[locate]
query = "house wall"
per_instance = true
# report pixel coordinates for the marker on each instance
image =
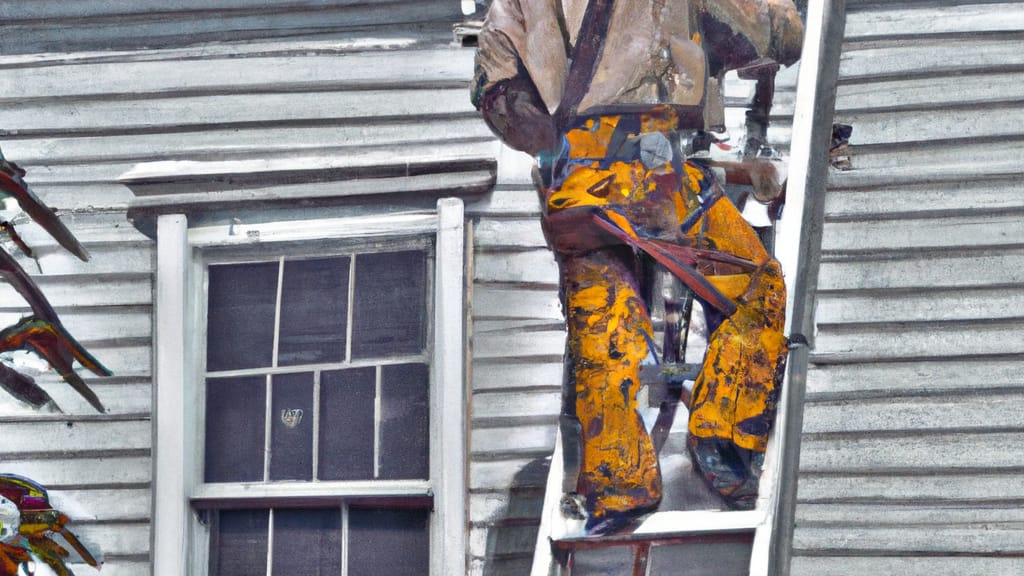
(911, 451)
(912, 441)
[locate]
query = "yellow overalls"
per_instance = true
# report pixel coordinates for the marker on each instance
(603, 208)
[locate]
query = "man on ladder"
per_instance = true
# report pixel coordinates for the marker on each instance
(611, 97)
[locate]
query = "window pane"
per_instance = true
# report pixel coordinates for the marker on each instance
(346, 424)
(240, 321)
(239, 544)
(405, 422)
(392, 542)
(703, 559)
(235, 415)
(390, 304)
(307, 542)
(291, 430)
(314, 308)
(604, 561)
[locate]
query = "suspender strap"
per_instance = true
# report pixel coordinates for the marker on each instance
(589, 43)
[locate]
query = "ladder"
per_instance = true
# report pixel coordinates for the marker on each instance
(690, 515)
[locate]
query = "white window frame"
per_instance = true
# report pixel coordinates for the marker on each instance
(179, 538)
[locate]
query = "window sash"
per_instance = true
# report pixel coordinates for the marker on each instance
(348, 536)
(280, 256)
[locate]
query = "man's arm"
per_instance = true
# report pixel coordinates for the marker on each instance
(738, 32)
(503, 90)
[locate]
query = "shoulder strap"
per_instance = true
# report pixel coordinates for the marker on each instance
(589, 43)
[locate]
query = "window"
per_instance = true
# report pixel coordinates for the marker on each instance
(315, 438)
(317, 370)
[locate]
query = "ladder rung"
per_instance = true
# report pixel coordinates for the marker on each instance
(674, 527)
(667, 382)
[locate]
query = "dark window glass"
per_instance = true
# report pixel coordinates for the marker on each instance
(307, 542)
(405, 422)
(390, 315)
(346, 424)
(703, 558)
(235, 415)
(603, 561)
(291, 430)
(240, 322)
(314, 307)
(392, 542)
(239, 546)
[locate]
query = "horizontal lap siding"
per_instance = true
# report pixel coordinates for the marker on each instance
(56, 26)
(97, 466)
(518, 338)
(96, 87)
(910, 459)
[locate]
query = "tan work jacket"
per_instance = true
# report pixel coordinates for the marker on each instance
(653, 53)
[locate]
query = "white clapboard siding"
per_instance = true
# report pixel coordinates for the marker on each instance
(110, 323)
(518, 340)
(53, 25)
(105, 504)
(510, 375)
(913, 565)
(500, 475)
(948, 488)
(532, 267)
(198, 111)
(950, 162)
(504, 200)
(993, 195)
(925, 57)
(932, 376)
(515, 440)
(907, 514)
(95, 435)
(922, 234)
(926, 540)
(902, 95)
(89, 470)
(67, 291)
(893, 341)
(923, 414)
(270, 74)
(908, 21)
(948, 269)
(921, 305)
(517, 404)
(119, 398)
(899, 127)
(910, 456)
(882, 453)
(120, 539)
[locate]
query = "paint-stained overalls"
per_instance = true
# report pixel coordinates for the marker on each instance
(618, 190)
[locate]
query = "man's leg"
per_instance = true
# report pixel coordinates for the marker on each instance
(734, 397)
(607, 323)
